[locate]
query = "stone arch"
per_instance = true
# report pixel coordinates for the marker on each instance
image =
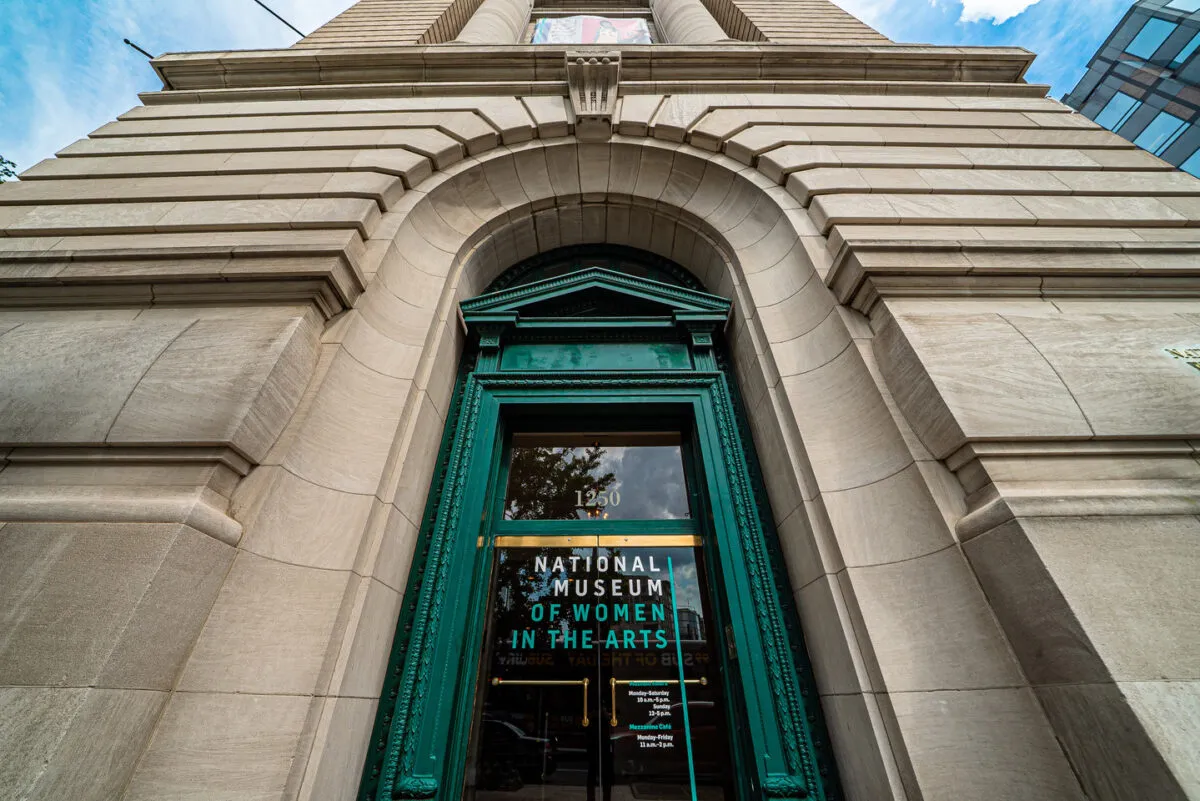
(849, 490)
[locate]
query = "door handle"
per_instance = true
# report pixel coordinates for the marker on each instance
(613, 682)
(496, 682)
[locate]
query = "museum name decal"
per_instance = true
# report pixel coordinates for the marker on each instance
(626, 593)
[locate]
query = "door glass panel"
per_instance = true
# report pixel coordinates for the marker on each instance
(610, 476)
(601, 678)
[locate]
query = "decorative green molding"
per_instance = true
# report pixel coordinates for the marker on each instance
(433, 679)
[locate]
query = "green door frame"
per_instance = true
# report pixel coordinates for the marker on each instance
(429, 713)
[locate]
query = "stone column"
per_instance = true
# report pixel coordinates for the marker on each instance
(686, 22)
(496, 22)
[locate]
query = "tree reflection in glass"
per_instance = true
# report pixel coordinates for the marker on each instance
(596, 477)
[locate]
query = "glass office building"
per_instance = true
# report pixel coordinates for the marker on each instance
(1142, 82)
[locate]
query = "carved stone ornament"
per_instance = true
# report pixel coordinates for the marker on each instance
(592, 79)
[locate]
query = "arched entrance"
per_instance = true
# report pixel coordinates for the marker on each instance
(595, 607)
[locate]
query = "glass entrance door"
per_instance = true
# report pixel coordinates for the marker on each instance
(600, 673)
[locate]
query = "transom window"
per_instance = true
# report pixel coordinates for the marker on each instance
(608, 476)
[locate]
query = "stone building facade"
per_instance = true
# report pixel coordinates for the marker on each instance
(964, 325)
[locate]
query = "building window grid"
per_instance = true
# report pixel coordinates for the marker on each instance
(1151, 37)
(1117, 70)
(1117, 111)
(1191, 164)
(1161, 133)
(1187, 50)
(1187, 6)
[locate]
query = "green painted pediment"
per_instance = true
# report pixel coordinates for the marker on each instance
(595, 293)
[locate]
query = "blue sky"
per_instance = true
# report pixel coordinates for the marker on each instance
(66, 71)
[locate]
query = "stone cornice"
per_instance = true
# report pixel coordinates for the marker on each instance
(559, 89)
(863, 272)
(1046, 488)
(180, 496)
(328, 278)
(441, 64)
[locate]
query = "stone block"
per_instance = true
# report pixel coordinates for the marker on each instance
(345, 439)
(342, 738)
(635, 113)
(270, 631)
(381, 353)
(1104, 211)
(811, 350)
(80, 744)
(67, 381)
(889, 520)
(222, 747)
(86, 598)
(830, 638)
(847, 430)
(416, 467)
(785, 318)
(973, 375)
(1120, 753)
(292, 520)
(394, 554)
(809, 548)
(550, 115)
(929, 626)
(1045, 633)
(366, 646)
(986, 745)
(860, 742)
(1089, 599)
(1118, 371)
(222, 381)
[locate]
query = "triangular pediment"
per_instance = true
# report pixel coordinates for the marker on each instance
(595, 292)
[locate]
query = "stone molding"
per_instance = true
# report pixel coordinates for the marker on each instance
(330, 279)
(865, 273)
(994, 499)
(190, 487)
(439, 64)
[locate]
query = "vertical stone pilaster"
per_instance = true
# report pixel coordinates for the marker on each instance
(497, 22)
(686, 22)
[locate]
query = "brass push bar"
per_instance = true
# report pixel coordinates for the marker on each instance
(496, 682)
(612, 683)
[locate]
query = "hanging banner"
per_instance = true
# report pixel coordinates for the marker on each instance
(590, 30)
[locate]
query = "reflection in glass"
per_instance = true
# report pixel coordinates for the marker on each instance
(580, 696)
(596, 477)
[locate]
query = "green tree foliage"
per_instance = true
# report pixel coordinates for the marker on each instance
(8, 170)
(544, 483)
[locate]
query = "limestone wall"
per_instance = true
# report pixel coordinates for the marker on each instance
(233, 327)
(792, 21)
(387, 23)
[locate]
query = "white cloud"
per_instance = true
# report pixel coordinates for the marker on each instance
(998, 11)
